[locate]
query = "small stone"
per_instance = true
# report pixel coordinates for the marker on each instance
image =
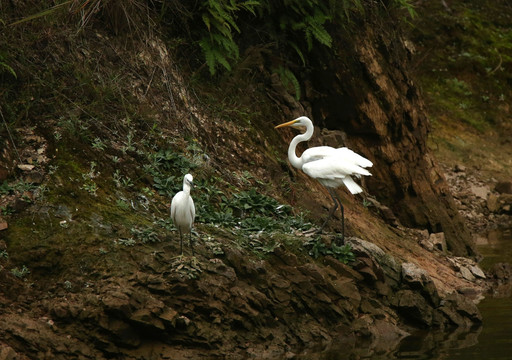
(480, 191)
(26, 167)
(466, 274)
(492, 203)
(459, 168)
(438, 241)
(475, 270)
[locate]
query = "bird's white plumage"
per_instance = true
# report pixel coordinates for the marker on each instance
(343, 154)
(330, 166)
(183, 211)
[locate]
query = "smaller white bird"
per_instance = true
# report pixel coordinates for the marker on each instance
(183, 211)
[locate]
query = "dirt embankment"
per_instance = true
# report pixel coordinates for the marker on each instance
(89, 266)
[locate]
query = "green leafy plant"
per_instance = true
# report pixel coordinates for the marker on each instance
(318, 248)
(6, 210)
(127, 242)
(4, 67)
(99, 144)
(145, 234)
(289, 80)
(219, 16)
(20, 273)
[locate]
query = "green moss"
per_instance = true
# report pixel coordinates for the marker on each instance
(463, 61)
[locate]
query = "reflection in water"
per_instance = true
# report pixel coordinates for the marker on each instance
(495, 340)
(490, 341)
(496, 247)
(426, 345)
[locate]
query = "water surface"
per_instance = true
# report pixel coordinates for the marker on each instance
(490, 341)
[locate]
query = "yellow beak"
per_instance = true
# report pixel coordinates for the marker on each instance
(286, 124)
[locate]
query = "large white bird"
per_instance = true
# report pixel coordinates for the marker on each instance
(331, 167)
(183, 211)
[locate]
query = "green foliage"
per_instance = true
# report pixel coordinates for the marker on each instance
(406, 5)
(343, 253)
(167, 168)
(127, 242)
(4, 67)
(289, 80)
(249, 211)
(145, 234)
(16, 187)
(20, 273)
(220, 16)
(459, 87)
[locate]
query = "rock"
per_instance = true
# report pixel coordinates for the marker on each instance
(480, 191)
(504, 187)
(3, 224)
(123, 333)
(145, 318)
(26, 167)
(387, 214)
(435, 241)
(504, 203)
(492, 203)
(412, 306)
(466, 273)
(418, 279)
(390, 267)
(475, 270)
(459, 168)
(466, 310)
(8, 353)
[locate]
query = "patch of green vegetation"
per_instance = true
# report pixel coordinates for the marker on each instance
(145, 234)
(318, 248)
(20, 273)
(463, 66)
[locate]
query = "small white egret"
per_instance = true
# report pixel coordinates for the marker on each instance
(183, 211)
(331, 167)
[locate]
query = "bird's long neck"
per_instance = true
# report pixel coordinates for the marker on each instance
(294, 159)
(186, 188)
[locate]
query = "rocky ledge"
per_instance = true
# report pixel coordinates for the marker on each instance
(231, 304)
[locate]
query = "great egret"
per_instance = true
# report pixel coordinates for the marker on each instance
(331, 167)
(183, 211)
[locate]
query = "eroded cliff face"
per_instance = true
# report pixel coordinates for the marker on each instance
(369, 94)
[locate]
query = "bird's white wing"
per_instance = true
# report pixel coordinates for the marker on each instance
(342, 154)
(174, 205)
(317, 153)
(332, 173)
(192, 209)
(346, 155)
(333, 168)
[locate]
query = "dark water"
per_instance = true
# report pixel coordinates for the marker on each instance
(490, 341)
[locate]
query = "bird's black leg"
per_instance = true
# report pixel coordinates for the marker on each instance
(181, 243)
(331, 211)
(342, 217)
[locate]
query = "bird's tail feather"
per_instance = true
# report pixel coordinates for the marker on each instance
(352, 185)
